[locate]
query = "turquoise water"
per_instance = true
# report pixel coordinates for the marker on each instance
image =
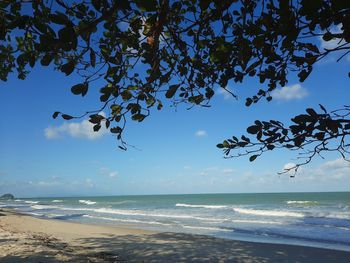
(312, 219)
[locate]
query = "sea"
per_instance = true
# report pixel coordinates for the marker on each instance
(308, 219)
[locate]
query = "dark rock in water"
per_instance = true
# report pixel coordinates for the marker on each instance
(7, 197)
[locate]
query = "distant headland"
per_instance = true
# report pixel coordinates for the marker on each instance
(7, 197)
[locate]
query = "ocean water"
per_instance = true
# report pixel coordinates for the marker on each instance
(311, 219)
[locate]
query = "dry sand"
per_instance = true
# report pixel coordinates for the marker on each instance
(27, 239)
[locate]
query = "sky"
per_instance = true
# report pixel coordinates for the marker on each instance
(175, 149)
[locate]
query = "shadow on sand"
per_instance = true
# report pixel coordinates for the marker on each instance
(173, 247)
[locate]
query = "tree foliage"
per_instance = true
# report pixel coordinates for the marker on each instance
(312, 132)
(149, 51)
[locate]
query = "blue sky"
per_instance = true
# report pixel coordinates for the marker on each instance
(176, 150)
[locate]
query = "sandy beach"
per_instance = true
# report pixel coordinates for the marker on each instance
(27, 239)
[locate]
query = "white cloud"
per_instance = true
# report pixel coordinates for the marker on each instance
(201, 133)
(203, 173)
(208, 171)
(337, 164)
(107, 172)
(228, 171)
(328, 171)
(225, 93)
(333, 43)
(214, 170)
(113, 174)
(83, 130)
(290, 169)
(288, 166)
(294, 92)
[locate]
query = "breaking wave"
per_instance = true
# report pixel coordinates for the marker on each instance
(41, 207)
(141, 213)
(267, 212)
(127, 220)
(257, 222)
(87, 202)
(202, 206)
(57, 201)
(31, 202)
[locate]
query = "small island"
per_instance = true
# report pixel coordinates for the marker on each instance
(7, 197)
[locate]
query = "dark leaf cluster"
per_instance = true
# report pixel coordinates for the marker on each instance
(310, 133)
(140, 53)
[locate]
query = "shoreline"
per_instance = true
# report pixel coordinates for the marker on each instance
(141, 229)
(25, 238)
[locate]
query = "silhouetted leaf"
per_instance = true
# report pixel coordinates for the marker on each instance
(96, 4)
(116, 130)
(327, 36)
(252, 158)
(68, 68)
(126, 95)
(67, 117)
(220, 145)
(149, 5)
(311, 112)
(248, 102)
(204, 4)
(59, 18)
(320, 135)
(171, 91)
(80, 89)
(209, 93)
(138, 117)
(97, 127)
(46, 60)
(323, 108)
(96, 118)
(55, 114)
(253, 129)
(92, 58)
(270, 146)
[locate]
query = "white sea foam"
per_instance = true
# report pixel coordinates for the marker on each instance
(55, 215)
(127, 220)
(267, 212)
(202, 206)
(57, 201)
(31, 202)
(141, 213)
(301, 202)
(41, 207)
(87, 202)
(257, 222)
(18, 200)
(34, 214)
(208, 228)
(342, 228)
(343, 215)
